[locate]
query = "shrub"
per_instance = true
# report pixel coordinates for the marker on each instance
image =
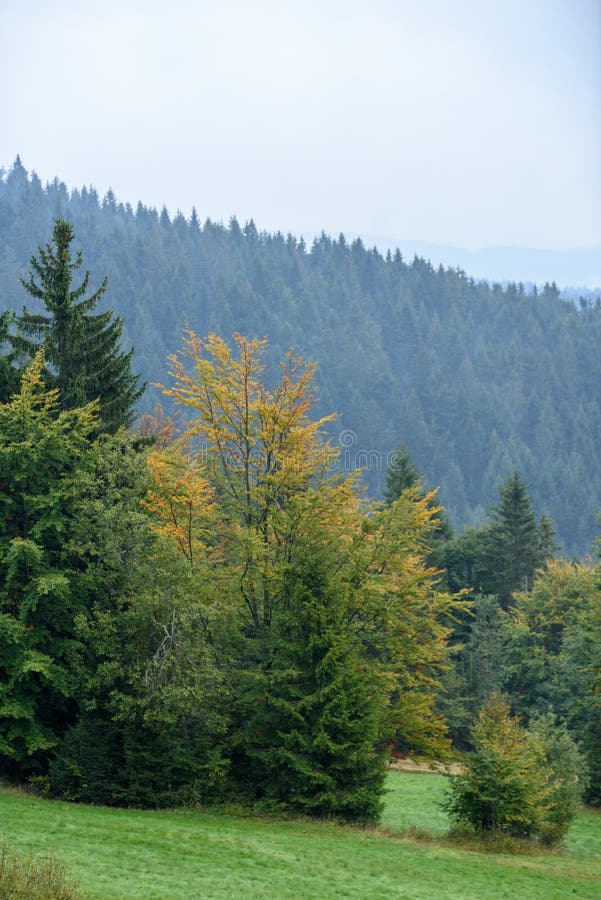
(527, 784)
(31, 878)
(566, 777)
(134, 764)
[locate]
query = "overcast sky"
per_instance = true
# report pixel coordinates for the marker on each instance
(466, 122)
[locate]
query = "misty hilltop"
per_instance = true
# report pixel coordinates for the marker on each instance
(571, 269)
(475, 379)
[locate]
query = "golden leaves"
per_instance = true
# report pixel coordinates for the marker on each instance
(181, 500)
(253, 477)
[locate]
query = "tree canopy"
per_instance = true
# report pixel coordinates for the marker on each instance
(213, 609)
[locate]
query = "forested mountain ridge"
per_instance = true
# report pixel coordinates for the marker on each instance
(476, 381)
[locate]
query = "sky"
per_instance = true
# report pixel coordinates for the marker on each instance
(472, 123)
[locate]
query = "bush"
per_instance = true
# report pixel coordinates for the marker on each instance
(527, 784)
(566, 777)
(28, 878)
(135, 765)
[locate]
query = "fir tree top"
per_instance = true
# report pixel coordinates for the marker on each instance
(81, 347)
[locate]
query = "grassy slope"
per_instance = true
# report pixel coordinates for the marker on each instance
(122, 854)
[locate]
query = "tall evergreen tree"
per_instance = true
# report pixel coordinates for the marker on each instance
(517, 544)
(400, 475)
(81, 348)
(310, 732)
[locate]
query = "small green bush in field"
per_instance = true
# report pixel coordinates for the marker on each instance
(523, 783)
(566, 776)
(31, 878)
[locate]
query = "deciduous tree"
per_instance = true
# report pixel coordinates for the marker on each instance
(339, 636)
(41, 450)
(526, 783)
(554, 655)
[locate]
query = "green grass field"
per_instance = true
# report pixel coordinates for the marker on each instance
(189, 854)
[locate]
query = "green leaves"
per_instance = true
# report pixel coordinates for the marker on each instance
(41, 449)
(26, 673)
(554, 655)
(523, 783)
(337, 636)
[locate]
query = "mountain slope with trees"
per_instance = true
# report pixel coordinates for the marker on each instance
(208, 608)
(477, 381)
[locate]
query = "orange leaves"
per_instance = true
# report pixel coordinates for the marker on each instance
(158, 426)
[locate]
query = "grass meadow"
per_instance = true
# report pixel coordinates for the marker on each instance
(197, 854)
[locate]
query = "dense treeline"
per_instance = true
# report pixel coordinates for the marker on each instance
(187, 619)
(476, 380)
(212, 610)
(209, 613)
(529, 644)
(533, 632)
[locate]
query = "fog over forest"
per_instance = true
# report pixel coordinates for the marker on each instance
(475, 379)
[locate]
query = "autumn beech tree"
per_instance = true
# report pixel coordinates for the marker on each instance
(335, 638)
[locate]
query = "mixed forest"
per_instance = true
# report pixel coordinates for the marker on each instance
(201, 603)
(475, 380)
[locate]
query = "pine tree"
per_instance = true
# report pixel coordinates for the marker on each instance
(81, 348)
(400, 475)
(517, 544)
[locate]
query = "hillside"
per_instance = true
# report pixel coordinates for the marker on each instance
(504, 264)
(475, 380)
(195, 853)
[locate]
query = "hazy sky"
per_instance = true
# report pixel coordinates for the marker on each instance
(466, 122)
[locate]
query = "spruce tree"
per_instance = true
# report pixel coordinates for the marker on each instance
(81, 347)
(311, 718)
(400, 475)
(517, 544)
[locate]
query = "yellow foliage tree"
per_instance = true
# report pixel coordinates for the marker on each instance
(183, 502)
(259, 450)
(251, 490)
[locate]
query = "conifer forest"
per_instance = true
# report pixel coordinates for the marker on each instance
(271, 512)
